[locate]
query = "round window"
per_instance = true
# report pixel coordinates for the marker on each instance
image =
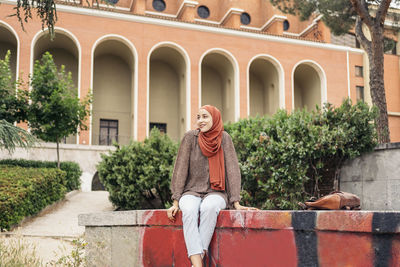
(159, 5)
(286, 25)
(203, 12)
(245, 18)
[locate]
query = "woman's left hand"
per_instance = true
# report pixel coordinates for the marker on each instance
(240, 207)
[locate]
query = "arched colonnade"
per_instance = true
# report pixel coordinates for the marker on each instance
(114, 83)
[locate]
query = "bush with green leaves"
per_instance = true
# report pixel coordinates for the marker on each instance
(286, 158)
(137, 175)
(73, 171)
(13, 99)
(26, 191)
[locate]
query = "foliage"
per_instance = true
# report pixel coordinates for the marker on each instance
(285, 158)
(55, 111)
(338, 15)
(13, 101)
(17, 252)
(12, 136)
(75, 258)
(26, 191)
(138, 175)
(72, 169)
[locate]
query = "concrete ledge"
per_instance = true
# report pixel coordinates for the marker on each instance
(247, 238)
(341, 221)
(387, 146)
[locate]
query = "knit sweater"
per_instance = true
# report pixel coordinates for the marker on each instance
(191, 170)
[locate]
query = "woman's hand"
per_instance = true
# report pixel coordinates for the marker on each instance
(171, 212)
(240, 207)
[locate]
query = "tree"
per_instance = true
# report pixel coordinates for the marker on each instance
(13, 101)
(55, 111)
(340, 16)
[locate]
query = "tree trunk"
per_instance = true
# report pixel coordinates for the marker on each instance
(376, 82)
(58, 154)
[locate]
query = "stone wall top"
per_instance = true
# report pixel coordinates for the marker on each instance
(388, 146)
(343, 221)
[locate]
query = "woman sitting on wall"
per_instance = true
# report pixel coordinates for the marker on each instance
(206, 179)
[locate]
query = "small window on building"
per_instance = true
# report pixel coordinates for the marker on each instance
(159, 5)
(360, 93)
(160, 126)
(359, 71)
(203, 12)
(286, 25)
(112, 1)
(389, 46)
(245, 18)
(108, 132)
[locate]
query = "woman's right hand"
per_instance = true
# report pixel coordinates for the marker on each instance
(171, 212)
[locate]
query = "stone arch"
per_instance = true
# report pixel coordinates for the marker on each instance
(169, 89)
(219, 82)
(114, 63)
(9, 40)
(265, 85)
(308, 85)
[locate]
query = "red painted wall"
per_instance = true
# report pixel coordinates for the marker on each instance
(279, 238)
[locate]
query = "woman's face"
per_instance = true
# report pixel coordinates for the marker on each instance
(204, 120)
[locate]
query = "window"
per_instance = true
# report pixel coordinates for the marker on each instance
(160, 126)
(245, 18)
(159, 5)
(286, 25)
(203, 12)
(389, 46)
(359, 71)
(360, 93)
(108, 132)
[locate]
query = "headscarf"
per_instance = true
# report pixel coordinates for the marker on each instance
(210, 145)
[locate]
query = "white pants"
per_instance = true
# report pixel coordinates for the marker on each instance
(198, 237)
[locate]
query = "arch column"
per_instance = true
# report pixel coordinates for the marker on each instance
(143, 73)
(85, 137)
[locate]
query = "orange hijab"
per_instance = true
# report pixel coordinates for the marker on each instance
(210, 145)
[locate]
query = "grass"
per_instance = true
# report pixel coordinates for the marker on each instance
(18, 252)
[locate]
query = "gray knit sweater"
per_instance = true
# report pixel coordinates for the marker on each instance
(191, 171)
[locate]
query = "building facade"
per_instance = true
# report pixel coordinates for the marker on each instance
(153, 63)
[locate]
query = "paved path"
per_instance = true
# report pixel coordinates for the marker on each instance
(53, 231)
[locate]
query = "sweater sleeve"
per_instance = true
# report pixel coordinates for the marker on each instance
(232, 170)
(181, 168)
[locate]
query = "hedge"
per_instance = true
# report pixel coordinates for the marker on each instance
(26, 191)
(72, 169)
(137, 175)
(288, 158)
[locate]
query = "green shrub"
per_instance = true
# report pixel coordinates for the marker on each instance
(286, 158)
(137, 176)
(26, 191)
(72, 169)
